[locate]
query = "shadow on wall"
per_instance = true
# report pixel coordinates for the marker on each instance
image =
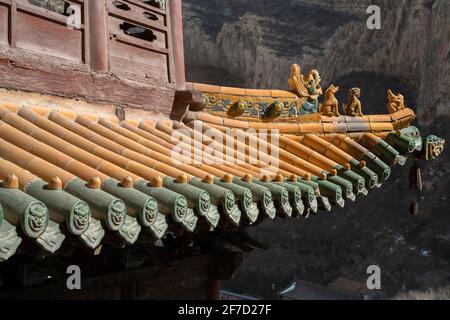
(374, 90)
(213, 75)
(276, 21)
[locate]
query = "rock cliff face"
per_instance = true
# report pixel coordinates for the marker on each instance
(257, 41)
(252, 44)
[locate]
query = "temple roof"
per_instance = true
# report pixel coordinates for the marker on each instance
(377, 124)
(85, 178)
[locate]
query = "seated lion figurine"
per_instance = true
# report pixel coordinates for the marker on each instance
(396, 102)
(330, 108)
(354, 108)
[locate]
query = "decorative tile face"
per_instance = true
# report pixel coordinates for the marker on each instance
(266, 105)
(256, 108)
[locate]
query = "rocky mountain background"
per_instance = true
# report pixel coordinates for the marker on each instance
(252, 44)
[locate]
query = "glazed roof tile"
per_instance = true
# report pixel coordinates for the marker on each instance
(97, 178)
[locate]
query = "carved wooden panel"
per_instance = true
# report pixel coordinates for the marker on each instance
(138, 63)
(139, 10)
(44, 31)
(138, 34)
(139, 48)
(47, 37)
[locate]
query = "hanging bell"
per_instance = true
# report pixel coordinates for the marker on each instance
(415, 178)
(414, 208)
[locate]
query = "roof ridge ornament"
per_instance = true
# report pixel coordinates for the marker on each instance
(307, 88)
(94, 183)
(127, 182)
(208, 179)
(157, 182)
(182, 179)
(55, 184)
(330, 108)
(228, 178)
(396, 102)
(354, 107)
(11, 182)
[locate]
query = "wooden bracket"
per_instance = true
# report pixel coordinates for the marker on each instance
(184, 101)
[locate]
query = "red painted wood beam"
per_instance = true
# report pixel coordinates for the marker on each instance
(98, 35)
(176, 26)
